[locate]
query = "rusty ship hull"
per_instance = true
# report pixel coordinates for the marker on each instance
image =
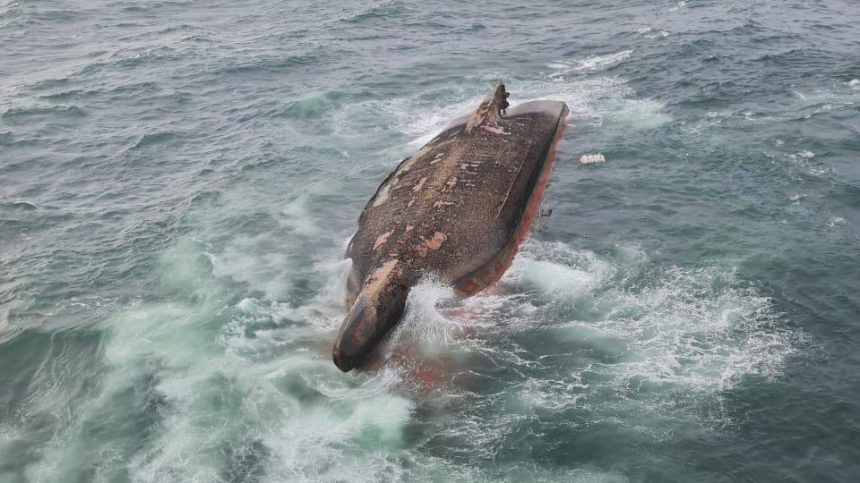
(459, 208)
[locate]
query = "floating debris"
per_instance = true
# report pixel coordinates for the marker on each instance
(592, 159)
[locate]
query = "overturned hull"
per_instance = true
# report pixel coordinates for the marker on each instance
(459, 207)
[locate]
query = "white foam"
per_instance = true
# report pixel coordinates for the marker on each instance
(690, 333)
(678, 6)
(600, 62)
(297, 217)
(807, 161)
(835, 221)
(679, 331)
(607, 102)
(595, 100)
(219, 384)
(650, 33)
(554, 278)
(426, 122)
(649, 337)
(244, 374)
(426, 326)
(245, 260)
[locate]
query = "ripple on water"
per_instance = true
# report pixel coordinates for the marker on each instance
(20, 115)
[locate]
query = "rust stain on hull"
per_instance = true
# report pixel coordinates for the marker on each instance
(459, 207)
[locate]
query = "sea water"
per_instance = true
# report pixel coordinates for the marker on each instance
(178, 180)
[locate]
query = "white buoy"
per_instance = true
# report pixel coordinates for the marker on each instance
(592, 159)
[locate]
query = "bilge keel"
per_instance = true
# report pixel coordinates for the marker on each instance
(459, 207)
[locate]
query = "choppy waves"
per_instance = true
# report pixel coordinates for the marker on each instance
(182, 176)
(593, 339)
(610, 342)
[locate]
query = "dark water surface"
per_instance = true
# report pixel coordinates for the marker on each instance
(178, 181)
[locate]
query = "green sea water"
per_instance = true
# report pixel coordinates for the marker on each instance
(179, 179)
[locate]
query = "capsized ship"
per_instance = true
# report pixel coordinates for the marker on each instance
(459, 207)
